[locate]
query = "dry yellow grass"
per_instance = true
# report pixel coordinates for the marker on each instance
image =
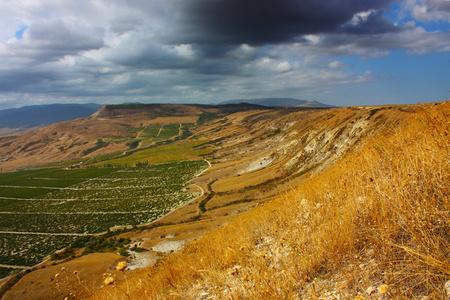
(74, 279)
(374, 226)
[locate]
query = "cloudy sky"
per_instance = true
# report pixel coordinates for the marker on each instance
(339, 52)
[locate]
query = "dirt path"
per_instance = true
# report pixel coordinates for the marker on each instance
(201, 189)
(45, 233)
(80, 189)
(159, 132)
(140, 132)
(82, 212)
(14, 267)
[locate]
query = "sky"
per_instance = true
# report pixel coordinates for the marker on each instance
(338, 52)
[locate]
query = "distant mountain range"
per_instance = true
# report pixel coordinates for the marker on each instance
(280, 102)
(43, 115)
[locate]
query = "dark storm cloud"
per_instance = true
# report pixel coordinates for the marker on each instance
(260, 22)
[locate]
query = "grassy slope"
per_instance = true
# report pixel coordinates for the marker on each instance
(378, 217)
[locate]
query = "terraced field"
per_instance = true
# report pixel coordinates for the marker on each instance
(45, 210)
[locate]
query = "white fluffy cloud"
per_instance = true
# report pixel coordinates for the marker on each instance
(428, 10)
(267, 65)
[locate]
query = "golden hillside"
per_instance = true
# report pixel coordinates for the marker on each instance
(373, 226)
(296, 204)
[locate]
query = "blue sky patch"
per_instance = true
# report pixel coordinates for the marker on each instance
(20, 31)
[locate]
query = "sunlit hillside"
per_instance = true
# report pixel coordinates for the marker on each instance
(332, 203)
(375, 225)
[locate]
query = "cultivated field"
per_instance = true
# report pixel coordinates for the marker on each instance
(45, 210)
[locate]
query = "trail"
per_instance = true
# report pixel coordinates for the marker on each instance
(82, 213)
(201, 189)
(81, 198)
(45, 233)
(159, 132)
(34, 187)
(14, 267)
(140, 132)
(139, 135)
(83, 188)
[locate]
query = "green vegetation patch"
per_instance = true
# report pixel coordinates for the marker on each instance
(98, 145)
(278, 131)
(91, 244)
(161, 154)
(133, 129)
(51, 177)
(206, 116)
(151, 131)
(133, 144)
(22, 192)
(5, 272)
(170, 130)
(36, 221)
(70, 223)
(160, 133)
(29, 249)
(105, 156)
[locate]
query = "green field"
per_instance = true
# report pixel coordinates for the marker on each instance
(45, 210)
(160, 133)
(160, 154)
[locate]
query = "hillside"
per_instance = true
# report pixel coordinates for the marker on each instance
(313, 201)
(373, 226)
(43, 115)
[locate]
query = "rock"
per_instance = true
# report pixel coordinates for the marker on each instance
(447, 288)
(370, 290)
(235, 270)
